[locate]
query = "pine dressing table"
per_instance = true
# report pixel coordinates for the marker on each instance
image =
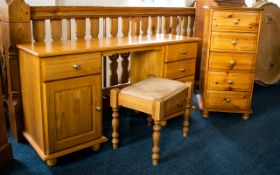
(61, 85)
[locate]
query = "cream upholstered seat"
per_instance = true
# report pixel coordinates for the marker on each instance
(161, 98)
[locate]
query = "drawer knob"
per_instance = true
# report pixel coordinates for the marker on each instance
(234, 42)
(184, 52)
(76, 66)
(180, 104)
(236, 21)
(231, 64)
(227, 100)
(182, 70)
(98, 108)
(230, 82)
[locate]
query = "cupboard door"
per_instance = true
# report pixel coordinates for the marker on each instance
(72, 112)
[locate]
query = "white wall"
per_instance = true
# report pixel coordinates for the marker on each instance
(156, 3)
(41, 2)
(251, 3)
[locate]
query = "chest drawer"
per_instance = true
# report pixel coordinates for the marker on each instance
(236, 21)
(231, 61)
(181, 51)
(227, 41)
(228, 99)
(179, 69)
(230, 81)
(61, 67)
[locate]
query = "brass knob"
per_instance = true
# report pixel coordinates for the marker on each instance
(227, 100)
(182, 70)
(234, 42)
(231, 63)
(98, 108)
(236, 21)
(76, 66)
(229, 82)
(184, 52)
(180, 104)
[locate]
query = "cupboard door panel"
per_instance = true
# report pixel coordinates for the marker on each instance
(71, 111)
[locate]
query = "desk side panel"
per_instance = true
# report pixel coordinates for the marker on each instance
(31, 99)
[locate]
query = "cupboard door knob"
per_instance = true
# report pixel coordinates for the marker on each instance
(182, 70)
(231, 63)
(76, 66)
(227, 100)
(234, 42)
(229, 82)
(98, 108)
(184, 52)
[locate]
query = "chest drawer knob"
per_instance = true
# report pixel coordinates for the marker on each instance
(184, 52)
(227, 100)
(230, 82)
(76, 66)
(231, 63)
(234, 42)
(236, 21)
(182, 70)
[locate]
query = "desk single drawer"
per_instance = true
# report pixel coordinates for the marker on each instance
(181, 51)
(186, 79)
(227, 41)
(61, 67)
(236, 21)
(179, 69)
(231, 61)
(230, 81)
(228, 99)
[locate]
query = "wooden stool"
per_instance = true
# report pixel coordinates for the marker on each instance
(161, 98)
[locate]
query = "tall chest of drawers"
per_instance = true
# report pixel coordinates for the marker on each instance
(228, 62)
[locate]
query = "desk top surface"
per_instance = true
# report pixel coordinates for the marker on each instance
(46, 49)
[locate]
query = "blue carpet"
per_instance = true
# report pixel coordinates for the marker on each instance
(221, 144)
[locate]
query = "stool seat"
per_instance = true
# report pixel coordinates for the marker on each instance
(154, 88)
(160, 98)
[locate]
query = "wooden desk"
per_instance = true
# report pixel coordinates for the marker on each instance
(61, 85)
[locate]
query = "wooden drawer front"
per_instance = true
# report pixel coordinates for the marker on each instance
(186, 79)
(175, 104)
(179, 69)
(228, 99)
(236, 21)
(226, 41)
(230, 81)
(231, 61)
(60, 67)
(181, 51)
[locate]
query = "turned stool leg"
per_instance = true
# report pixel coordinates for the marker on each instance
(149, 120)
(114, 96)
(186, 122)
(156, 138)
(115, 125)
